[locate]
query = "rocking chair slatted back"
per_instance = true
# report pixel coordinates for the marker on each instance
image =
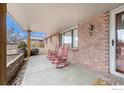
(53, 53)
(65, 51)
(57, 47)
(60, 50)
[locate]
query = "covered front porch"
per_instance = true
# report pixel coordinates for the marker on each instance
(88, 29)
(40, 71)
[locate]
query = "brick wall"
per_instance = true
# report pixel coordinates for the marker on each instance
(93, 50)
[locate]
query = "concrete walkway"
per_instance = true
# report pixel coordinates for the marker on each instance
(40, 71)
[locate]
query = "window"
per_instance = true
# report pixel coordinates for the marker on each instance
(70, 37)
(75, 38)
(67, 38)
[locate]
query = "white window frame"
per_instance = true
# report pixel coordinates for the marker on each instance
(70, 29)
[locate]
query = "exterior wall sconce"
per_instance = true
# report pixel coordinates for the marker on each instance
(91, 28)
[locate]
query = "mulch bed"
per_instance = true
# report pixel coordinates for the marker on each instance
(18, 77)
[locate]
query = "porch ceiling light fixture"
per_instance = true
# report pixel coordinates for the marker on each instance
(91, 28)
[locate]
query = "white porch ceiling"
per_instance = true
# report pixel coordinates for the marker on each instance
(51, 18)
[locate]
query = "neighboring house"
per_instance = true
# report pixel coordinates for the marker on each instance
(37, 42)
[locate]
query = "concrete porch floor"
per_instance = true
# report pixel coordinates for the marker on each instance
(40, 71)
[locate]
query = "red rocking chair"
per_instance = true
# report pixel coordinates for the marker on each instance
(52, 53)
(61, 58)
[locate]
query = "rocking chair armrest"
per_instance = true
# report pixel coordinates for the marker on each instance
(53, 52)
(50, 50)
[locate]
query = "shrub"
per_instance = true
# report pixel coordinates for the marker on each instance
(22, 48)
(22, 44)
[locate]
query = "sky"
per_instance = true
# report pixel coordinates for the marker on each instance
(17, 28)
